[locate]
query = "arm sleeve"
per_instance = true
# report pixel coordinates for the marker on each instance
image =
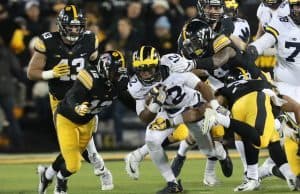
(264, 42)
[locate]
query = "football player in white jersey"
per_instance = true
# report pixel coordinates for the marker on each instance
(284, 33)
(269, 9)
(179, 93)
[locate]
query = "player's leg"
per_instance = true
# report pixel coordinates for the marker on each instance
(68, 139)
(251, 181)
(154, 140)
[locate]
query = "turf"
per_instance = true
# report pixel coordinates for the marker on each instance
(21, 179)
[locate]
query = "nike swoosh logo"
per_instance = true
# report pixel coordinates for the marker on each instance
(83, 54)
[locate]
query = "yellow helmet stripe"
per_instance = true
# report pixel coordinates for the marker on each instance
(74, 11)
(184, 32)
(141, 53)
(122, 59)
(145, 63)
(294, 1)
(152, 53)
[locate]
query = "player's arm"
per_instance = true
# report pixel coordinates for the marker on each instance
(144, 113)
(36, 68)
(260, 30)
(264, 42)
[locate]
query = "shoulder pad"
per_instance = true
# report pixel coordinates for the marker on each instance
(85, 78)
(134, 88)
(39, 45)
(220, 42)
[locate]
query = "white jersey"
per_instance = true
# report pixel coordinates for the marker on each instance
(265, 14)
(241, 29)
(287, 38)
(180, 90)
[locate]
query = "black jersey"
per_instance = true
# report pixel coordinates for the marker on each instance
(237, 89)
(76, 56)
(89, 87)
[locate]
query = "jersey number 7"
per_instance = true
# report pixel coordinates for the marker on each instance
(295, 45)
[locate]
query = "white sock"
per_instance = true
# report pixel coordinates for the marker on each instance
(183, 148)
(239, 145)
(223, 120)
(210, 166)
(160, 160)
(285, 169)
(60, 176)
(220, 151)
(141, 152)
(50, 173)
(95, 158)
(91, 147)
(252, 171)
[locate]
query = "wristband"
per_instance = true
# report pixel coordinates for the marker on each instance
(178, 119)
(46, 75)
(214, 104)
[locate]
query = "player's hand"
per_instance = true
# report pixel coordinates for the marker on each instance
(289, 132)
(82, 109)
(159, 94)
(277, 101)
(210, 119)
(220, 109)
(160, 124)
(61, 70)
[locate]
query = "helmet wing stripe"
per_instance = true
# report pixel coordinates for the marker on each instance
(74, 11)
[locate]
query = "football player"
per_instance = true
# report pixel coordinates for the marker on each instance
(269, 9)
(171, 95)
(58, 57)
(283, 32)
(95, 89)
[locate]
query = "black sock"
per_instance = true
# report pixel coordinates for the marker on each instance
(277, 154)
(56, 165)
(85, 155)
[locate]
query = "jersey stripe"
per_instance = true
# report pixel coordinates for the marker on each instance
(85, 78)
(272, 31)
(220, 43)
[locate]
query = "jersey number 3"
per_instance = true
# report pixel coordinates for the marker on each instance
(295, 45)
(77, 63)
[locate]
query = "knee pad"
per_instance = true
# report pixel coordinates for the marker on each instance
(217, 131)
(180, 133)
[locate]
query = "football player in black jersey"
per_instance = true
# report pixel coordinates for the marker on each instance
(253, 120)
(94, 90)
(58, 57)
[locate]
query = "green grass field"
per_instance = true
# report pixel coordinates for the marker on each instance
(22, 179)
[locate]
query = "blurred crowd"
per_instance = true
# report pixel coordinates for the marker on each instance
(118, 24)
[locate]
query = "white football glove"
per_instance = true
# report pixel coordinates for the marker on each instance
(210, 120)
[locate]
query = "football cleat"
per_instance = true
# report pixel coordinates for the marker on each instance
(106, 180)
(292, 184)
(265, 170)
(61, 186)
(132, 166)
(177, 164)
(210, 180)
(248, 185)
(43, 181)
(171, 187)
